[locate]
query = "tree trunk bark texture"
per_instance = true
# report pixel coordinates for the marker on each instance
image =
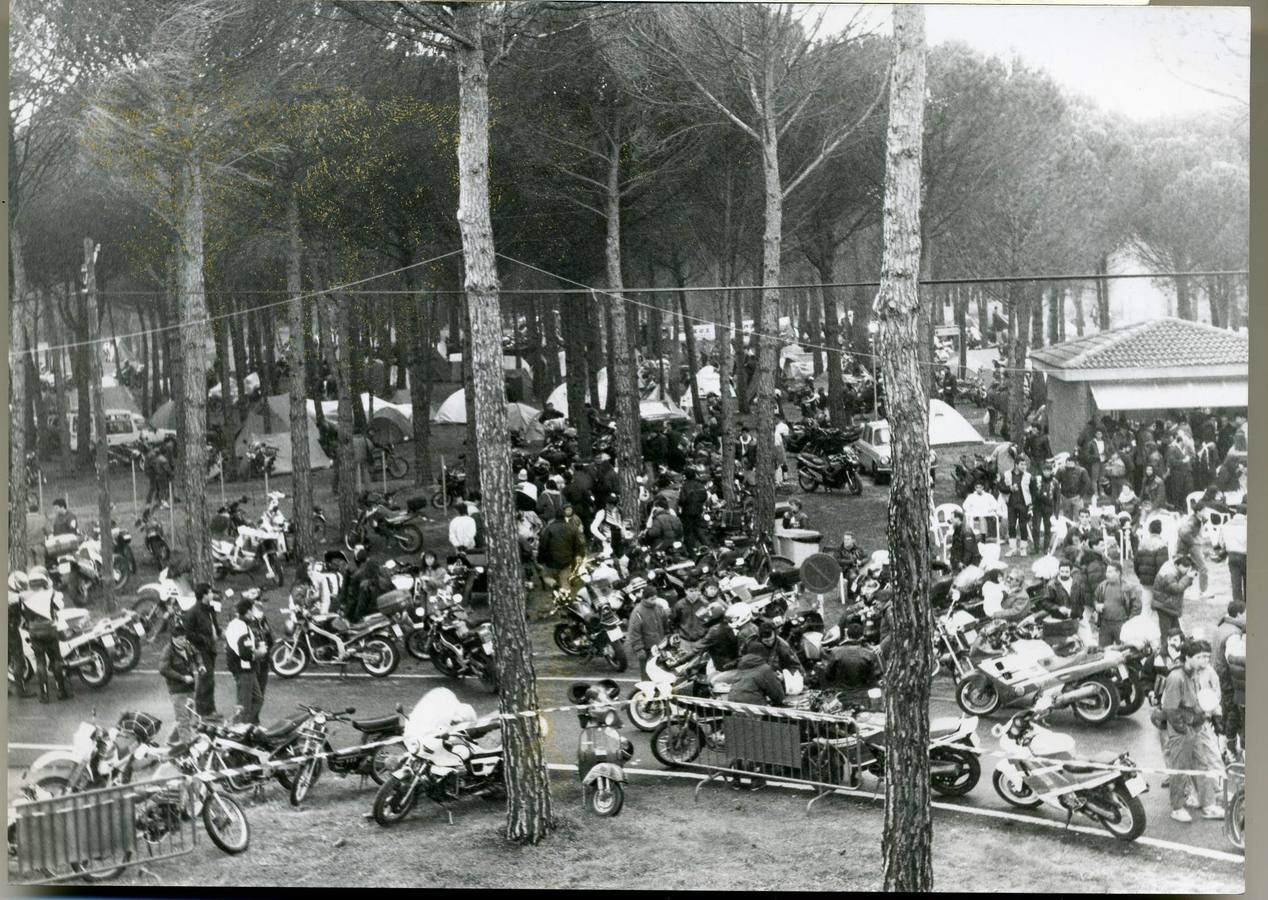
(1020, 303)
(194, 335)
(346, 476)
(529, 813)
(301, 465)
(576, 365)
(693, 358)
(18, 315)
(907, 843)
(102, 456)
(832, 332)
(728, 401)
(423, 330)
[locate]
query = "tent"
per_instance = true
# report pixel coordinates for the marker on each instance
(660, 411)
(394, 421)
(708, 382)
(559, 396)
(519, 416)
(946, 426)
(280, 435)
(802, 360)
(164, 416)
(251, 384)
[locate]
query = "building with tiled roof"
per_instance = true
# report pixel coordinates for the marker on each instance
(1153, 366)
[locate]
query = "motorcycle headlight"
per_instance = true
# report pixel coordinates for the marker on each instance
(289, 627)
(413, 745)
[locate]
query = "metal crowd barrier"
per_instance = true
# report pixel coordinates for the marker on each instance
(80, 834)
(749, 744)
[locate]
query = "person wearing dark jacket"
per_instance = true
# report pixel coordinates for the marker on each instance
(1043, 492)
(1091, 563)
(691, 503)
(1189, 543)
(262, 633)
(1037, 447)
(560, 549)
(757, 682)
(1074, 487)
(1117, 601)
(778, 653)
(648, 625)
(1234, 623)
(853, 668)
(684, 617)
(1149, 557)
(722, 646)
(241, 646)
(1065, 596)
(606, 481)
(665, 528)
(204, 633)
(1172, 581)
(963, 548)
(181, 668)
(654, 448)
(580, 494)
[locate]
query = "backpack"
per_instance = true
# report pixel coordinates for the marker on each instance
(1235, 648)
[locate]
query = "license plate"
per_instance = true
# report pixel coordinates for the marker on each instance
(1136, 785)
(615, 634)
(1122, 671)
(488, 648)
(108, 641)
(396, 629)
(139, 629)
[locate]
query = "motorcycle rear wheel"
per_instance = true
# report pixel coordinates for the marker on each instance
(409, 537)
(151, 613)
(287, 660)
(967, 774)
(124, 566)
(1131, 815)
(806, 481)
(1235, 820)
(677, 743)
(226, 823)
(388, 657)
(393, 801)
(605, 797)
(616, 656)
(977, 696)
(570, 638)
(445, 664)
(100, 669)
(647, 715)
(438, 499)
(1024, 798)
(854, 483)
(1130, 697)
(127, 651)
(1102, 707)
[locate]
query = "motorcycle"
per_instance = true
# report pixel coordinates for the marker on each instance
(451, 487)
(1090, 680)
(443, 758)
(1039, 767)
(386, 462)
(158, 605)
(601, 751)
(373, 757)
(244, 756)
(1235, 803)
(590, 629)
(674, 668)
(383, 519)
(155, 541)
(86, 649)
(838, 470)
(129, 634)
(245, 553)
(457, 650)
(328, 640)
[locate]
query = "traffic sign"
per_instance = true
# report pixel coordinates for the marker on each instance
(820, 573)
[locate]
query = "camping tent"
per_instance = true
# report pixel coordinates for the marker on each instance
(947, 426)
(708, 382)
(559, 396)
(802, 360)
(519, 416)
(660, 411)
(280, 435)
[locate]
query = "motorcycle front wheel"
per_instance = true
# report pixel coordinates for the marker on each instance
(226, 823)
(385, 761)
(393, 801)
(416, 644)
(151, 613)
(677, 743)
(1129, 823)
(409, 537)
(445, 664)
(647, 715)
(807, 481)
(397, 466)
(616, 656)
(438, 499)
(977, 696)
(1102, 706)
(1130, 697)
(854, 483)
(288, 659)
(304, 779)
(381, 657)
(1235, 820)
(965, 771)
(127, 651)
(124, 566)
(605, 797)
(1022, 798)
(570, 638)
(99, 669)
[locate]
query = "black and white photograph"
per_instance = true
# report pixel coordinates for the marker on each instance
(627, 445)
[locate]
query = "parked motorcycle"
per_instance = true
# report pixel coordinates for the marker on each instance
(155, 541)
(244, 756)
(158, 605)
(251, 548)
(399, 528)
(385, 461)
(328, 640)
(261, 458)
(674, 668)
(444, 759)
(601, 751)
(1039, 767)
(457, 650)
(450, 488)
(372, 757)
(835, 471)
(590, 630)
(87, 649)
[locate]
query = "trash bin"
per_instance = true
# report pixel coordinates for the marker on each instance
(798, 543)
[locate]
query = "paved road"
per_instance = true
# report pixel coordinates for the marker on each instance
(33, 726)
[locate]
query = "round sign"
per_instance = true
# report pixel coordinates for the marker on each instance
(820, 573)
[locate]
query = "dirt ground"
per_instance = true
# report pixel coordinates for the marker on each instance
(665, 840)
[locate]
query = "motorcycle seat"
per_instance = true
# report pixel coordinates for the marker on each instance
(1105, 758)
(943, 726)
(479, 729)
(369, 623)
(382, 723)
(278, 730)
(398, 519)
(810, 459)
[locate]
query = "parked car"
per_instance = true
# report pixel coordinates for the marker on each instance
(873, 449)
(123, 428)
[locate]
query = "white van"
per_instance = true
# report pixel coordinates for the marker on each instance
(123, 427)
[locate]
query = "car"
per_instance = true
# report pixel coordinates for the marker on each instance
(123, 428)
(873, 451)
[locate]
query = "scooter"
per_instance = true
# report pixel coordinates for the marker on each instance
(601, 751)
(1039, 767)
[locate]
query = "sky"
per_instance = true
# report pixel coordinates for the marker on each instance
(1145, 62)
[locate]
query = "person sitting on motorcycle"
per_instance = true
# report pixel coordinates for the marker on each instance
(720, 643)
(852, 558)
(433, 572)
(684, 617)
(361, 585)
(60, 520)
(852, 668)
(756, 682)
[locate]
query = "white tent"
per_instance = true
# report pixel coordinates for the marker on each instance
(947, 426)
(660, 411)
(279, 433)
(509, 362)
(519, 416)
(454, 410)
(394, 421)
(709, 382)
(559, 396)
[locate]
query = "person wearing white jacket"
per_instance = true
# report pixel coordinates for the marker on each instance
(982, 511)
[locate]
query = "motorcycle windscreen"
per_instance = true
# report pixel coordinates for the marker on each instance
(435, 712)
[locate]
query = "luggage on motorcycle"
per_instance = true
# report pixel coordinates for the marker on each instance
(56, 545)
(394, 602)
(1059, 628)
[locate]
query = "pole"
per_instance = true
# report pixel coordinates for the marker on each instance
(108, 563)
(136, 509)
(444, 486)
(171, 510)
(222, 483)
(383, 459)
(266, 480)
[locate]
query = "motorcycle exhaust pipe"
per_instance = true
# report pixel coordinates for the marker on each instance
(1069, 698)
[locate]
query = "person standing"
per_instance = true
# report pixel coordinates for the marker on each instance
(1233, 624)
(691, 503)
(1153, 490)
(609, 528)
(40, 604)
(1043, 492)
(1092, 456)
(1038, 448)
(462, 530)
(262, 633)
(241, 649)
(204, 632)
(1179, 473)
(579, 494)
(1117, 601)
(781, 455)
(1075, 486)
(1172, 581)
(963, 549)
(550, 501)
(1190, 734)
(1019, 502)
(1233, 538)
(648, 625)
(560, 549)
(1189, 544)
(1148, 559)
(181, 668)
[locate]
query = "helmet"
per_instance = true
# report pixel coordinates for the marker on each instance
(360, 554)
(604, 575)
(711, 613)
(739, 614)
(18, 582)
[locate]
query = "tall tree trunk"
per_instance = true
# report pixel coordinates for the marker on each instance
(1021, 300)
(1102, 294)
(83, 375)
(58, 359)
(346, 476)
(728, 400)
(1184, 299)
(742, 388)
(18, 315)
(157, 362)
(474, 479)
(983, 315)
(406, 326)
(609, 327)
(815, 331)
(961, 324)
(529, 816)
(147, 407)
(1215, 300)
(193, 339)
(359, 346)
(270, 352)
(596, 337)
(1054, 314)
(1080, 316)
(1036, 316)
(826, 267)
(907, 844)
(102, 460)
(925, 311)
(423, 329)
(301, 464)
(576, 365)
(768, 325)
(693, 359)
(238, 343)
(229, 433)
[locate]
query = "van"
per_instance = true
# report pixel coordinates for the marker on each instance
(123, 427)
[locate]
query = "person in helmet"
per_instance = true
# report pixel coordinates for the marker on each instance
(18, 584)
(39, 605)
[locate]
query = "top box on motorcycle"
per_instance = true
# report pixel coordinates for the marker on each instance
(394, 602)
(1060, 628)
(56, 545)
(785, 579)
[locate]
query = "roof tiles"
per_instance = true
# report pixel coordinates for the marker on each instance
(1156, 344)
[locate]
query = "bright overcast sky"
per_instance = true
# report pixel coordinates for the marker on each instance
(1142, 61)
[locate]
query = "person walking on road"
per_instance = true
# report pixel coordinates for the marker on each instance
(1117, 601)
(181, 668)
(1189, 544)
(262, 632)
(241, 647)
(1150, 556)
(1168, 602)
(204, 632)
(648, 625)
(1190, 734)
